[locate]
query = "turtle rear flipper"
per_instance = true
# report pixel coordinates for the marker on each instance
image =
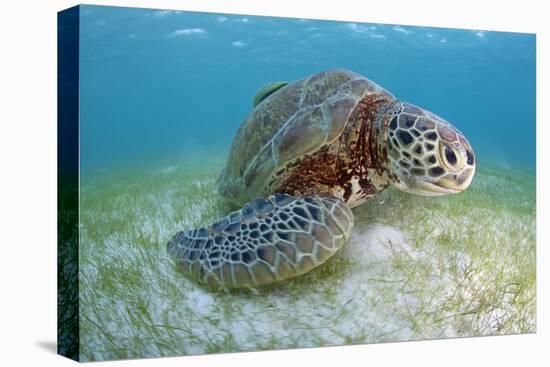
(268, 240)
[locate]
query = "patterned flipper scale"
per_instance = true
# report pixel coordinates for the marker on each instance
(267, 241)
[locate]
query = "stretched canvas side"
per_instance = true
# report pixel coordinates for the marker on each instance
(68, 23)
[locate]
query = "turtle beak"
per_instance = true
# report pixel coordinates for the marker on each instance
(425, 188)
(448, 184)
(459, 182)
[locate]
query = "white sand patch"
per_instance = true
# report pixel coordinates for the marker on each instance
(201, 301)
(379, 242)
(200, 184)
(167, 170)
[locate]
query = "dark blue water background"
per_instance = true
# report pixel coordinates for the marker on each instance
(164, 84)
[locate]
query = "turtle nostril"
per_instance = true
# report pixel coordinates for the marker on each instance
(450, 156)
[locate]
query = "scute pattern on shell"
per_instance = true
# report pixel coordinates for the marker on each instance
(299, 118)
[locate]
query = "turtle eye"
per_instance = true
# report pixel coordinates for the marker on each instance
(450, 156)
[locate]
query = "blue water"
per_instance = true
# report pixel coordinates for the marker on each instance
(159, 84)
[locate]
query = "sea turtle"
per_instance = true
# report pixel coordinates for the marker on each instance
(309, 152)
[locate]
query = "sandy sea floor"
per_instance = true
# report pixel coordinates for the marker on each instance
(415, 268)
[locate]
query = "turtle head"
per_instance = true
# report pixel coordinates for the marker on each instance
(426, 154)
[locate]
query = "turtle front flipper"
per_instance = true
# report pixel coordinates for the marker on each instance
(268, 240)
